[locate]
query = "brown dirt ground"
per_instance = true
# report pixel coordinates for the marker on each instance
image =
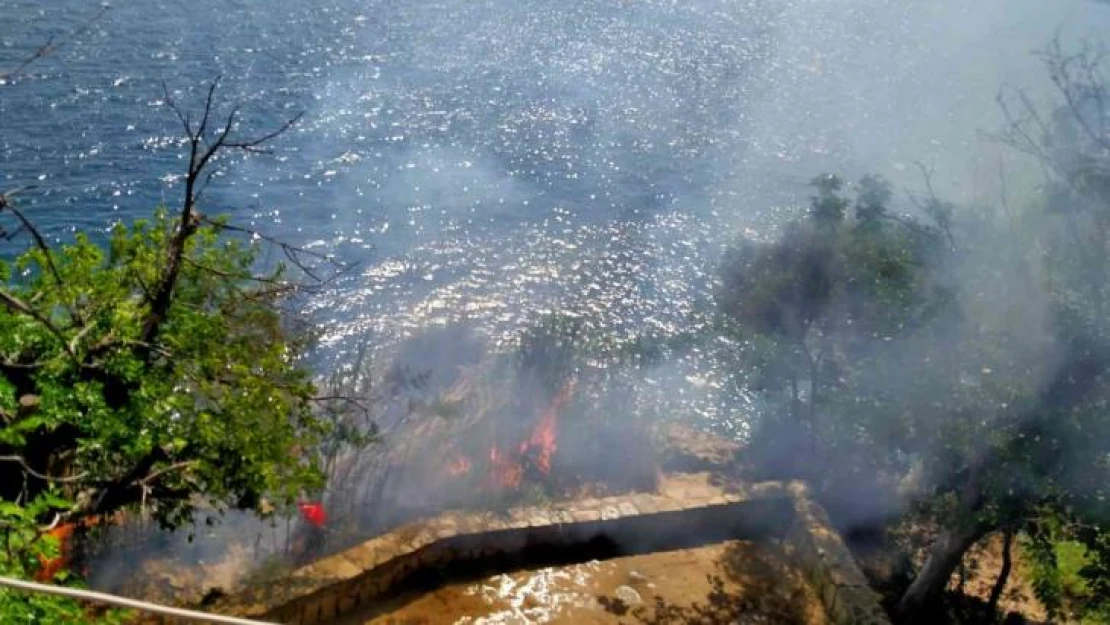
(734, 582)
(983, 564)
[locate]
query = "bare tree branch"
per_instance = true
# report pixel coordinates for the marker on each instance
(47, 254)
(11, 365)
(1016, 133)
(201, 153)
(1081, 119)
(208, 102)
(277, 288)
(5, 202)
(177, 466)
(40, 241)
(15, 304)
(182, 116)
(298, 256)
(362, 406)
(252, 145)
(1074, 91)
(47, 478)
(52, 45)
(245, 277)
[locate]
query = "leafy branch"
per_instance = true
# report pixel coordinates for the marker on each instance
(153, 274)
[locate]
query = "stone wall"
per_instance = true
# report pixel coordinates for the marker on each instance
(829, 565)
(686, 512)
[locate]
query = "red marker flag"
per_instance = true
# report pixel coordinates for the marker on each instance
(313, 512)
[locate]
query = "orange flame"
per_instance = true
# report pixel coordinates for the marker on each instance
(459, 467)
(506, 468)
(543, 442)
(505, 471)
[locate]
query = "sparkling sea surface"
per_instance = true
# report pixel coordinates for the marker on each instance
(493, 161)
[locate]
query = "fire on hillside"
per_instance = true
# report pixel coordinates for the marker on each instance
(507, 465)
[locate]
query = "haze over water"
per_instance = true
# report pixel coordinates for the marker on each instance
(498, 160)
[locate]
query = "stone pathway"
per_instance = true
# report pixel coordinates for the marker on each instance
(688, 511)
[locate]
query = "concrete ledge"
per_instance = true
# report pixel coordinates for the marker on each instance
(828, 564)
(685, 513)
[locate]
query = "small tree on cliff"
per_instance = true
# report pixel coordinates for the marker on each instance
(815, 308)
(1003, 401)
(154, 372)
(1043, 464)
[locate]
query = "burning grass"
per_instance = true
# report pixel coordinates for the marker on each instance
(551, 445)
(470, 430)
(508, 464)
(487, 430)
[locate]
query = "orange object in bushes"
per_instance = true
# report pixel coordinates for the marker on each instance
(313, 512)
(49, 567)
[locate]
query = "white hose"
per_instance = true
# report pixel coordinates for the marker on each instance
(124, 602)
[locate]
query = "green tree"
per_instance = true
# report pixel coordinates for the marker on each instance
(155, 373)
(1042, 461)
(874, 341)
(813, 310)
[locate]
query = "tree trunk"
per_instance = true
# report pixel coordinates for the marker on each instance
(948, 550)
(944, 556)
(1003, 575)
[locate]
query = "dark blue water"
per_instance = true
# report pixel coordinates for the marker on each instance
(497, 160)
(491, 160)
(464, 110)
